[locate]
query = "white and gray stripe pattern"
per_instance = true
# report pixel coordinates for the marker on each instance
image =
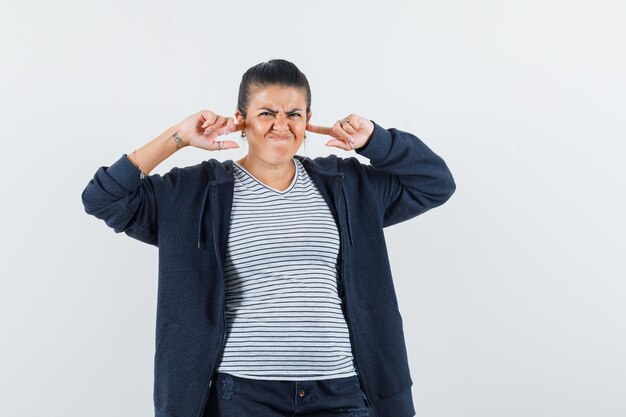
(283, 311)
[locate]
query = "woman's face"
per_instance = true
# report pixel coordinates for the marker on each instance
(275, 123)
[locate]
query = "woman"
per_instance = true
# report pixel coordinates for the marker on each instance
(275, 293)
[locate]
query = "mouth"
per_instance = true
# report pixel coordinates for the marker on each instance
(280, 137)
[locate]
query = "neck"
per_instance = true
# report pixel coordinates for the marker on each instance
(277, 176)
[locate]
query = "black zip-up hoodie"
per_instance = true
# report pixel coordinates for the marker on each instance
(186, 214)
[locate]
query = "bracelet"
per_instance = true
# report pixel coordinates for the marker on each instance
(142, 174)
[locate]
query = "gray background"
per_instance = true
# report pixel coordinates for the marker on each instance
(512, 293)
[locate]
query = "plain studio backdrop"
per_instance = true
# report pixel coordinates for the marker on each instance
(512, 293)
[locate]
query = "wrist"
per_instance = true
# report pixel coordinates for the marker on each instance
(179, 140)
(369, 138)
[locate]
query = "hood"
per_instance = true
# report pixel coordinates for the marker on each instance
(222, 172)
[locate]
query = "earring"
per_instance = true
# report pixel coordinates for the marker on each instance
(243, 134)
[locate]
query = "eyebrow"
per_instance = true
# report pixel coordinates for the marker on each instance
(274, 111)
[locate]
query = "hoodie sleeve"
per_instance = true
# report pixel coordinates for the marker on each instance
(125, 202)
(405, 174)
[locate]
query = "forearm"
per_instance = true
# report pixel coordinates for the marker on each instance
(157, 150)
(407, 175)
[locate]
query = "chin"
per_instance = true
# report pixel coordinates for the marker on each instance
(277, 156)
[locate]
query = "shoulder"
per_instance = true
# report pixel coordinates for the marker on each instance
(331, 164)
(202, 169)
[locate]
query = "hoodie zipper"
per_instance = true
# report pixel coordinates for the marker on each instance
(366, 393)
(223, 334)
(345, 201)
(219, 354)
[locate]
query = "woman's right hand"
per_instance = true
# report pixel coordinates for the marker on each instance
(202, 129)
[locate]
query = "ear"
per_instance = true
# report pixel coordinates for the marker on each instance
(308, 116)
(238, 117)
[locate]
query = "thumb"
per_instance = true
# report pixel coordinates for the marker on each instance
(339, 144)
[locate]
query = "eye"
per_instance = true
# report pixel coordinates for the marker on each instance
(270, 114)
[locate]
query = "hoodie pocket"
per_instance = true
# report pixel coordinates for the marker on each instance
(385, 361)
(181, 368)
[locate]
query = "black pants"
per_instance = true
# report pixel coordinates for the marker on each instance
(232, 396)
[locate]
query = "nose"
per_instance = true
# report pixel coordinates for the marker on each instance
(281, 123)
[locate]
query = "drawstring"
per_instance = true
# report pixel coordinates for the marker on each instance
(205, 199)
(204, 202)
(345, 200)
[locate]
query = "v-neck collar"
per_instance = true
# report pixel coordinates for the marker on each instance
(293, 181)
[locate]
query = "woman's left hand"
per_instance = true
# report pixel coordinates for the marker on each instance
(350, 133)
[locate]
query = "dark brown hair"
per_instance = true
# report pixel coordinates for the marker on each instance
(274, 72)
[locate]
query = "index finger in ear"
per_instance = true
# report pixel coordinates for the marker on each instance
(319, 129)
(234, 127)
(230, 125)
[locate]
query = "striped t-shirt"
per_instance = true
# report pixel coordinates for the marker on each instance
(283, 311)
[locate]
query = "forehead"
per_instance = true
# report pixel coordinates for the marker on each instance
(278, 97)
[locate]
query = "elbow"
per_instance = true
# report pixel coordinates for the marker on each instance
(88, 201)
(94, 201)
(447, 188)
(451, 186)
(448, 183)
(85, 200)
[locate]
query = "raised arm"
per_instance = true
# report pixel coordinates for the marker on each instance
(405, 174)
(408, 177)
(125, 197)
(128, 199)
